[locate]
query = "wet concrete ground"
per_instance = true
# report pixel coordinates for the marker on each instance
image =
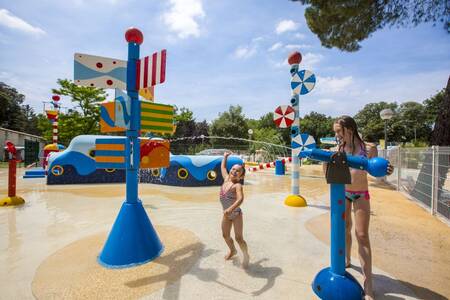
(62, 228)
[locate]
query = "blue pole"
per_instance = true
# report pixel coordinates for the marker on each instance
(337, 192)
(334, 283)
(133, 239)
(132, 144)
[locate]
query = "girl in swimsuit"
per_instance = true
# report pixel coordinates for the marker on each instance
(357, 195)
(231, 197)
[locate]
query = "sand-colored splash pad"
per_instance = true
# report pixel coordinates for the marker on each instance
(73, 272)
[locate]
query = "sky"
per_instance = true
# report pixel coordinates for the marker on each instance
(220, 53)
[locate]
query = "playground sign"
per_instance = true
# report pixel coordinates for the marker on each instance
(284, 116)
(110, 153)
(302, 141)
(303, 82)
(148, 93)
(100, 72)
(133, 239)
(151, 70)
(156, 118)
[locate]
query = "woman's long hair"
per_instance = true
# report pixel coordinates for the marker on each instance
(348, 123)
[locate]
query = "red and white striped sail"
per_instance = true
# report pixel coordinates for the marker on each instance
(284, 116)
(151, 70)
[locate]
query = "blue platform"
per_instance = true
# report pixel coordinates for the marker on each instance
(331, 286)
(35, 173)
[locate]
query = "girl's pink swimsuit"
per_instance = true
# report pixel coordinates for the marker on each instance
(355, 195)
(227, 199)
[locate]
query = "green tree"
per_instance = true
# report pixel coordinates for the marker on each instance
(412, 122)
(266, 121)
(318, 125)
(371, 125)
(82, 119)
(185, 122)
(441, 133)
(32, 120)
(344, 23)
(87, 101)
(12, 115)
(433, 106)
(230, 123)
(187, 127)
(70, 125)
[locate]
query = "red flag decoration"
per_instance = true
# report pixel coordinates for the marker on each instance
(151, 70)
(284, 116)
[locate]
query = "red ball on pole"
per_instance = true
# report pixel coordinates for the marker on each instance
(294, 58)
(55, 98)
(134, 35)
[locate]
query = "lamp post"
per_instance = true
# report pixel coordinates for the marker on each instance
(386, 114)
(250, 132)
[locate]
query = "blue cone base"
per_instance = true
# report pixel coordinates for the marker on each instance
(132, 240)
(330, 286)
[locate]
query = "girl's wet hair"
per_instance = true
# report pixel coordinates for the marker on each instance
(243, 170)
(348, 123)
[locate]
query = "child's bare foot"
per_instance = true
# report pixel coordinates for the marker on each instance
(348, 263)
(369, 297)
(246, 260)
(230, 254)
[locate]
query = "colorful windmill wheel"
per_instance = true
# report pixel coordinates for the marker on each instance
(301, 142)
(284, 116)
(303, 82)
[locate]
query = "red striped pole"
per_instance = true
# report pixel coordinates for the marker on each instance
(55, 130)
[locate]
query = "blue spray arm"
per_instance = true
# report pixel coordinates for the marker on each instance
(376, 166)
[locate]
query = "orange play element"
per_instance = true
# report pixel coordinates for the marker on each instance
(155, 154)
(148, 93)
(118, 147)
(107, 117)
(51, 114)
(110, 159)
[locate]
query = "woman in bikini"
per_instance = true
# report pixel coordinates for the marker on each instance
(231, 197)
(357, 195)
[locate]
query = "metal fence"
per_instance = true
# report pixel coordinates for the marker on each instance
(423, 174)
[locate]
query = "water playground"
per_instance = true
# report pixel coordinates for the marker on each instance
(122, 217)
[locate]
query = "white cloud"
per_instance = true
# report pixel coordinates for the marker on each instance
(257, 39)
(247, 51)
(286, 25)
(334, 84)
(9, 20)
(282, 64)
(243, 52)
(275, 46)
(326, 101)
(297, 46)
(182, 17)
(310, 60)
(299, 36)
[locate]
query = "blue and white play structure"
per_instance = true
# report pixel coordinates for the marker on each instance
(334, 283)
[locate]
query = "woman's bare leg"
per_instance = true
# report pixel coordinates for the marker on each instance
(362, 218)
(226, 230)
(348, 232)
(238, 225)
